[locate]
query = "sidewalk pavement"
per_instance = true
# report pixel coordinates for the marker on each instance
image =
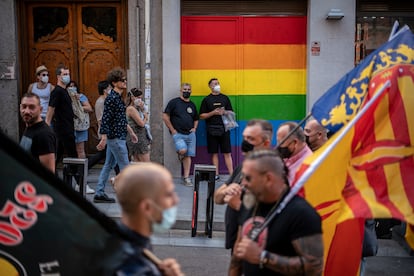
(392, 258)
(185, 204)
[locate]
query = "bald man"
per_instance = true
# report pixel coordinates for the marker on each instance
(146, 193)
(294, 149)
(315, 134)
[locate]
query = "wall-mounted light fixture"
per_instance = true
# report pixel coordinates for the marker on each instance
(335, 14)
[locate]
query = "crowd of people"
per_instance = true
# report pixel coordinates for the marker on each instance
(260, 243)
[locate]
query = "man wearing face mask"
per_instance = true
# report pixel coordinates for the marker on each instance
(257, 135)
(42, 88)
(316, 135)
(211, 109)
(294, 149)
(181, 118)
(60, 110)
(148, 202)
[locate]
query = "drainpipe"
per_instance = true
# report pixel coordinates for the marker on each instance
(147, 74)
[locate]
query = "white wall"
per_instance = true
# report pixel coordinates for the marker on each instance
(336, 39)
(133, 72)
(171, 21)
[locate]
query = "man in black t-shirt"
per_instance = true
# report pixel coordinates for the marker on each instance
(181, 118)
(291, 243)
(38, 139)
(60, 110)
(211, 109)
(257, 135)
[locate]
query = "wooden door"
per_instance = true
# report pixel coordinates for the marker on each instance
(85, 36)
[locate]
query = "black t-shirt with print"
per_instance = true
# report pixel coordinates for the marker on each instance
(182, 114)
(298, 219)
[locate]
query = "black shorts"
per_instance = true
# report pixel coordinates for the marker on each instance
(214, 143)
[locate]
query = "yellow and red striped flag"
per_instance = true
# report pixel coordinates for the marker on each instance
(369, 173)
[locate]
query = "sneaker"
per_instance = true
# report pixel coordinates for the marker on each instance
(89, 190)
(103, 199)
(217, 177)
(187, 182)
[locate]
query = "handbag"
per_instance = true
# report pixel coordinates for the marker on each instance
(81, 119)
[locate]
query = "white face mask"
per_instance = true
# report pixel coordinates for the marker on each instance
(216, 88)
(168, 219)
(66, 79)
(45, 79)
(137, 102)
(72, 89)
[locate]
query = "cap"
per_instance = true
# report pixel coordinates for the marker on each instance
(40, 69)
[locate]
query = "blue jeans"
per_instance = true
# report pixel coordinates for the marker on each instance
(185, 141)
(116, 153)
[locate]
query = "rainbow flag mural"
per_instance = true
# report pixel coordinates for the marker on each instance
(260, 62)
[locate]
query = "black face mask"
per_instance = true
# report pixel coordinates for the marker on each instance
(246, 146)
(186, 95)
(307, 140)
(284, 152)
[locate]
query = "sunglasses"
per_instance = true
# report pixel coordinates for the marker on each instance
(124, 79)
(249, 177)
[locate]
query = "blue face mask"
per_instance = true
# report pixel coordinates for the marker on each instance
(168, 219)
(66, 79)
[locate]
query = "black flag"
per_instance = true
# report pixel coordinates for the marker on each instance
(47, 228)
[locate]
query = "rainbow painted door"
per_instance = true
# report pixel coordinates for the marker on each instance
(260, 62)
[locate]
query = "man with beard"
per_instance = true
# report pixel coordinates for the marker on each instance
(38, 139)
(291, 241)
(257, 135)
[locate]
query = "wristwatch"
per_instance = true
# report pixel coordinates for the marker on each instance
(264, 258)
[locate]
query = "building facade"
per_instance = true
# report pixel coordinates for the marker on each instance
(273, 58)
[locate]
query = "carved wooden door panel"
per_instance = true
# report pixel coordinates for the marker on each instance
(85, 36)
(99, 44)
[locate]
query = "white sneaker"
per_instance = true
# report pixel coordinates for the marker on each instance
(187, 182)
(89, 190)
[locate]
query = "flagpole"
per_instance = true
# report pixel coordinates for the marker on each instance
(294, 129)
(314, 165)
(394, 29)
(393, 35)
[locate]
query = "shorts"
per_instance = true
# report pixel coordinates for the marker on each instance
(187, 142)
(81, 136)
(214, 143)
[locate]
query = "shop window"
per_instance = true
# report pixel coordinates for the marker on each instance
(373, 31)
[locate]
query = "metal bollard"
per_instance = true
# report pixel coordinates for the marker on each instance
(76, 167)
(201, 173)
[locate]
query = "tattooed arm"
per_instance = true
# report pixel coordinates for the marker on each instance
(235, 268)
(308, 262)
